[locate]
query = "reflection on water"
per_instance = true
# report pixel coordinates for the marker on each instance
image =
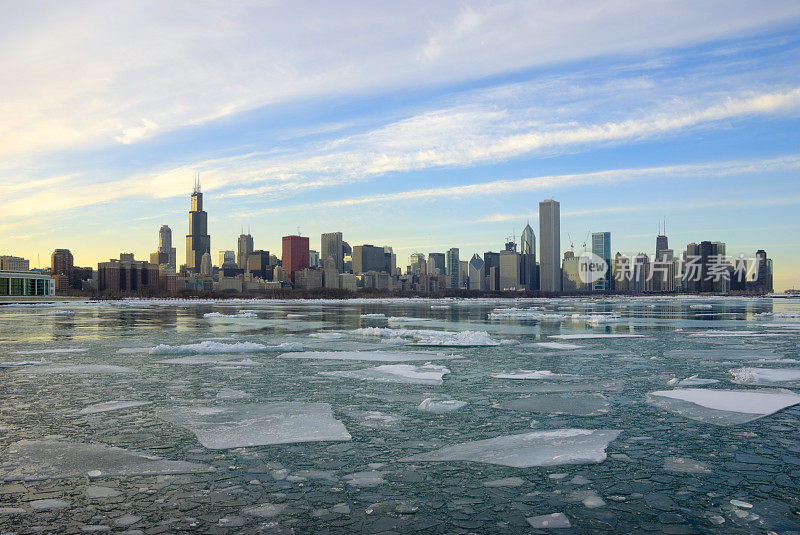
(97, 433)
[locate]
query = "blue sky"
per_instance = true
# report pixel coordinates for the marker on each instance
(418, 126)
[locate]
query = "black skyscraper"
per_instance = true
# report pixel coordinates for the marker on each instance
(198, 242)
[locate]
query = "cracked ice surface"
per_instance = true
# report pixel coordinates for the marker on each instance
(537, 448)
(258, 424)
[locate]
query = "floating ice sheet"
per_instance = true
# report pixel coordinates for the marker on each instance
(723, 407)
(430, 337)
(551, 521)
(536, 448)
(221, 360)
(533, 374)
(685, 465)
(112, 406)
(327, 336)
(721, 354)
(241, 314)
(376, 356)
(732, 334)
(558, 345)
(441, 406)
(208, 347)
(767, 376)
(694, 380)
(526, 314)
(571, 404)
(427, 374)
(50, 351)
(258, 424)
(32, 460)
(88, 369)
(590, 336)
(17, 364)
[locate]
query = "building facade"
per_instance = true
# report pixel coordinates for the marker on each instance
(198, 242)
(243, 250)
(332, 246)
(550, 246)
(369, 258)
(31, 284)
(61, 262)
(451, 266)
(601, 246)
(14, 263)
(126, 275)
(295, 255)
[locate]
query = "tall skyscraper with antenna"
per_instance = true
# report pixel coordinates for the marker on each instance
(198, 242)
(662, 243)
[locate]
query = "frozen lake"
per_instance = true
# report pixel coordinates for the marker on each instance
(423, 416)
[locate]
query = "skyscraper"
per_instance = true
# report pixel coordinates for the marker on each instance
(528, 239)
(198, 242)
(61, 262)
(550, 246)
(436, 263)
(295, 255)
(243, 250)
(528, 273)
(601, 246)
(477, 275)
(331, 246)
(368, 258)
(451, 266)
(165, 256)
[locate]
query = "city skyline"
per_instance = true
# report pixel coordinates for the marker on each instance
(698, 127)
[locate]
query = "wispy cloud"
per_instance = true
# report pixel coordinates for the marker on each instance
(113, 74)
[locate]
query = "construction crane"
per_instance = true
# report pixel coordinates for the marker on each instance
(571, 245)
(586, 240)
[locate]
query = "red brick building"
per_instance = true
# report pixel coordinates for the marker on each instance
(295, 254)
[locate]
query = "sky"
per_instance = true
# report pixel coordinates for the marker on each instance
(418, 125)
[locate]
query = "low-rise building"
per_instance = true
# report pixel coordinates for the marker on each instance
(18, 283)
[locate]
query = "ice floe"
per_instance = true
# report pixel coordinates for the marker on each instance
(112, 406)
(427, 374)
(732, 334)
(327, 336)
(723, 407)
(536, 448)
(558, 345)
(230, 393)
(526, 314)
(373, 316)
(240, 314)
(571, 404)
(258, 424)
(441, 406)
(685, 465)
(17, 364)
(369, 478)
(56, 351)
(219, 360)
(532, 374)
(296, 316)
(721, 354)
(376, 356)
(265, 510)
(551, 521)
(701, 307)
(88, 369)
(505, 482)
(430, 337)
(32, 460)
(766, 376)
(694, 380)
(211, 347)
(590, 336)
